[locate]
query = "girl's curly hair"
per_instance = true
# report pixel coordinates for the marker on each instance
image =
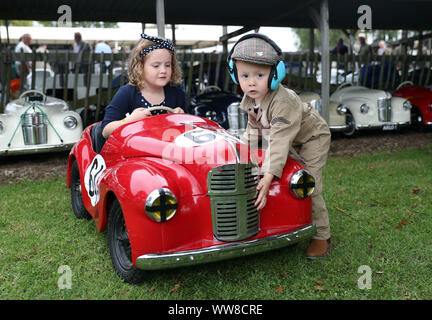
(136, 63)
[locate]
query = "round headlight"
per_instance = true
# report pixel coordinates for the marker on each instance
(1, 127)
(302, 184)
(407, 105)
(161, 205)
(364, 108)
(341, 109)
(70, 122)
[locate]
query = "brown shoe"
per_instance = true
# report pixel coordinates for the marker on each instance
(318, 249)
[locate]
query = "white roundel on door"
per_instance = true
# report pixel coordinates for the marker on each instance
(197, 137)
(92, 178)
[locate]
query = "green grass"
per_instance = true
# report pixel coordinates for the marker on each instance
(380, 213)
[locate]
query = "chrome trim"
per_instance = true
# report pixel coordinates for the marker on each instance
(338, 128)
(429, 123)
(380, 125)
(384, 109)
(39, 149)
(341, 109)
(232, 192)
(232, 250)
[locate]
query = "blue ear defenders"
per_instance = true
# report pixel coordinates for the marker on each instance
(277, 73)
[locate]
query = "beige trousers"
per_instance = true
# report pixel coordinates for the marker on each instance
(314, 154)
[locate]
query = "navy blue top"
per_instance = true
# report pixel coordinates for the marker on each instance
(128, 98)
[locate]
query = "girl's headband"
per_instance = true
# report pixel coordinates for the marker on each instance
(161, 44)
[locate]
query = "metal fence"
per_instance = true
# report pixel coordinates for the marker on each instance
(72, 76)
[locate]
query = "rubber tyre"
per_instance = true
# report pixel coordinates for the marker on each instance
(76, 194)
(120, 248)
(417, 120)
(350, 132)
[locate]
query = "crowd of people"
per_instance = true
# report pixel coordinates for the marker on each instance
(21, 70)
(362, 48)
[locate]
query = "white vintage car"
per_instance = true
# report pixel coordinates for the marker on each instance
(337, 114)
(371, 109)
(38, 123)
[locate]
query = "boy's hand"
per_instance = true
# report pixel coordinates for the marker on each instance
(178, 110)
(263, 188)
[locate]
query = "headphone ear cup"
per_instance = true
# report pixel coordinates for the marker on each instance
(277, 75)
(233, 71)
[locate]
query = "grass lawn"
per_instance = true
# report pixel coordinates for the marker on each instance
(381, 217)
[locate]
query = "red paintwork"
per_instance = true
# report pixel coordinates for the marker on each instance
(420, 97)
(135, 168)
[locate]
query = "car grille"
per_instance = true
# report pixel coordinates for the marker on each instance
(232, 191)
(384, 109)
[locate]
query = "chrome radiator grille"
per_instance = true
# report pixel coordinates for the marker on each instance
(232, 195)
(384, 109)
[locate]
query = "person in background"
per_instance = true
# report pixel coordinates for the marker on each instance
(383, 48)
(340, 48)
(364, 48)
(40, 64)
(102, 46)
(23, 46)
(81, 47)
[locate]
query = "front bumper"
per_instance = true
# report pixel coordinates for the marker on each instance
(37, 148)
(396, 125)
(224, 251)
(340, 128)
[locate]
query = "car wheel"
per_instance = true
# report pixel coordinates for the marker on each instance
(417, 119)
(351, 130)
(76, 194)
(120, 248)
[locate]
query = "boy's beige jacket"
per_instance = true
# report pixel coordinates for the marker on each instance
(290, 124)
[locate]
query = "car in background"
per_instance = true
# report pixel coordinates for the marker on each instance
(212, 103)
(421, 100)
(38, 123)
(337, 111)
(371, 109)
(176, 190)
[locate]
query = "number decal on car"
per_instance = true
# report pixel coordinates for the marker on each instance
(197, 137)
(92, 178)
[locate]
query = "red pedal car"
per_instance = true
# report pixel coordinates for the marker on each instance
(176, 190)
(421, 101)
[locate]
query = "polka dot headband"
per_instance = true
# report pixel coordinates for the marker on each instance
(161, 44)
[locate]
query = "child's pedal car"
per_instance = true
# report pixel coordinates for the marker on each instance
(38, 123)
(175, 190)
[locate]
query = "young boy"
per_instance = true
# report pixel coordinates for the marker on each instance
(295, 127)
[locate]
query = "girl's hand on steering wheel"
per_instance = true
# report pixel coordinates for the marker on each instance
(178, 110)
(137, 114)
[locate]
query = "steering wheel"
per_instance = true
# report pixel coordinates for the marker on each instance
(343, 85)
(403, 84)
(216, 88)
(25, 93)
(157, 108)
